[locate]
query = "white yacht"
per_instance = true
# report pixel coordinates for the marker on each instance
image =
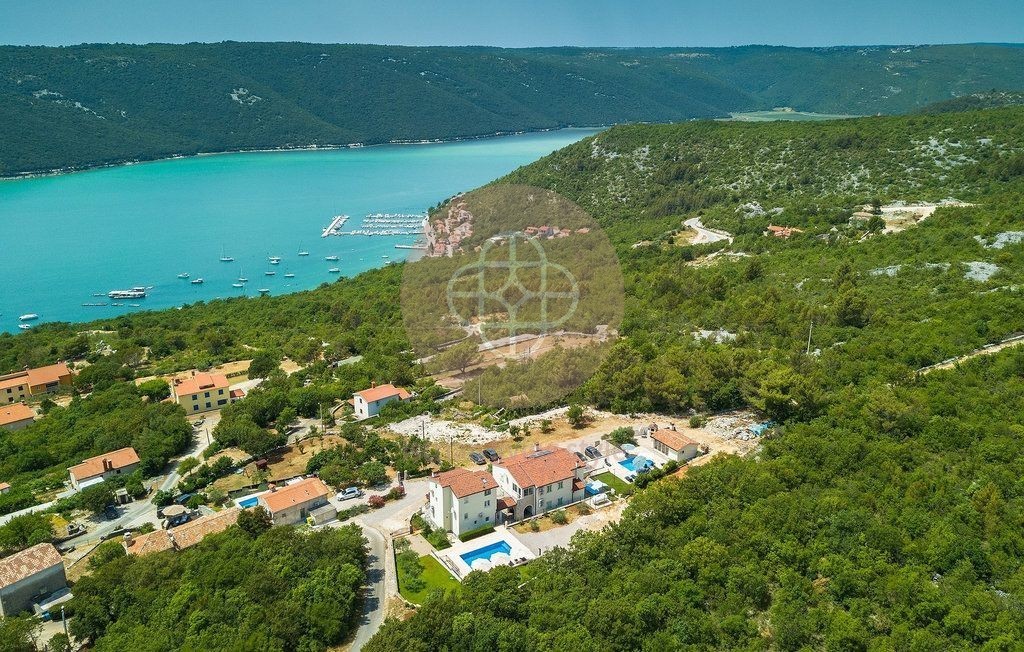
(183, 275)
(29, 317)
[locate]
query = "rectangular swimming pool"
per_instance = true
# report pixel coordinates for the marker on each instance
(629, 463)
(248, 502)
(486, 552)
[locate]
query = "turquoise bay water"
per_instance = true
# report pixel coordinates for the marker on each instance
(67, 237)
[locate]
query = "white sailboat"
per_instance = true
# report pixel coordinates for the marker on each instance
(303, 252)
(224, 258)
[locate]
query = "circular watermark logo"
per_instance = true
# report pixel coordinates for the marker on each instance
(517, 297)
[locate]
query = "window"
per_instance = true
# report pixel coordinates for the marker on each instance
(195, 407)
(206, 395)
(561, 499)
(487, 492)
(222, 401)
(220, 392)
(528, 491)
(487, 503)
(561, 484)
(208, 404)
(465, 516)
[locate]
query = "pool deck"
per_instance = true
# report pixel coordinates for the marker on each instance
(611, 463)
(452, 557)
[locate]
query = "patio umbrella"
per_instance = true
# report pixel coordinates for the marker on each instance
(628, 447)
(639, 462)
(500, 558)
(480, 565)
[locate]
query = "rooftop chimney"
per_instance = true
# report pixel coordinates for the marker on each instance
(128, 537)
(536, 447)
(107, 465)
(373, 383)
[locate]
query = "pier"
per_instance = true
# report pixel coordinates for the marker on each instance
(336, 223)
(420, 247)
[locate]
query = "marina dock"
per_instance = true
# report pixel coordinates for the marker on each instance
(336, 223)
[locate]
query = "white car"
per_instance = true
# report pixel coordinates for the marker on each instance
(351, 492)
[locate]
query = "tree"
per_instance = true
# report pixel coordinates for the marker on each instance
(462, 355)
(263, 364)
(187, 464)
(255, 521)
(156, 389)
(18, 633)
(851, 308)
(96, 498)
(23, 532)
(621, 436)
(285, 420)
(576, 416)
(373, 474)
(106, 552)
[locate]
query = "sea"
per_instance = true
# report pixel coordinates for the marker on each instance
(69, 239)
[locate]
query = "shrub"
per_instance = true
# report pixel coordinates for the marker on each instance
(419, 523)
(698, 421)
(162, 498)
(396, 493)
(584, 509)
(351, 512)
(377, 502)
(558, 517)
(534, 526)
(438, 539)
(479, 532)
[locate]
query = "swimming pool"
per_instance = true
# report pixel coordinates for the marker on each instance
(248, 502)
(486, 552)
(630, 464)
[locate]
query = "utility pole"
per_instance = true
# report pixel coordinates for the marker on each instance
(809, 337)
(64, 621)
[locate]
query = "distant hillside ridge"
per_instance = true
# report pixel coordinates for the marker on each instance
(987, 100)
(81, 106)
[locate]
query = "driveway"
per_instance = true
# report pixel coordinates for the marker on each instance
(704, 234)
(374, 593)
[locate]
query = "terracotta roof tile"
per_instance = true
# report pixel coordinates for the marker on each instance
(93, 466)
(383, 391)
(195, 531)
(14, 381)
(464, 482)
(14, 413)
(48, 374)
(294, 494)
(145, 544)
(201, 382)
(28, 562)
(540, 468)
(672, 439)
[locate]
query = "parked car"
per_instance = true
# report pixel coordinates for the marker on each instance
(477, 458)
(111, 512)
(350, 492)
(581, 456)
(592, 452)
(491, 454)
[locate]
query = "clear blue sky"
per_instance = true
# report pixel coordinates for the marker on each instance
(515, 23)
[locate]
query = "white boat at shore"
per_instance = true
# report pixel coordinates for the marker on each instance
(184, 275)
(264, 290)
(29, 316)
(24, 327)
(238, 285)
(331, 257)
(334, 270)
(198, 281)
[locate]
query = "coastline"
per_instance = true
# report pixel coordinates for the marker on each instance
(289, 148)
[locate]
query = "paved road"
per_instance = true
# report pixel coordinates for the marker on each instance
(374, 594)
(704, 234)
(28, 510)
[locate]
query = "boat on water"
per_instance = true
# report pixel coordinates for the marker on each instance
(332, 257)
(29, 317)
(135, 305)
(238, 285)
(303, 252)
(24, 327)
(289, 275)
(117, 305)
(133, 293)
(270, 272)
(95, 303)
(385, 256)
(334, 270)
(241, 278)
(274, 260)
(183, 275)
(197, 281)
(264, 290)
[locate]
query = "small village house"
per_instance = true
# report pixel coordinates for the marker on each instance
(674, 445)
(28, 577)
(20, 385)
(540, 481)
(292, 503)
(97, 469)
(784, 232)
(202, 392)
(368, 402)
(16, 416)
(5, 487)
(461, 500)
(181, 537)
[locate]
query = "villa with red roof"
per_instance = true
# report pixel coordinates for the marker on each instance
(368, 402)
(293, 503)
(461, 500)
(674, 445)
(540, 481)
(16, 416)
(20, 385)
(97, 469)
(202, 392)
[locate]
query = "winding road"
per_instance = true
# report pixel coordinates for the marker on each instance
(704, 234)
(374, 593)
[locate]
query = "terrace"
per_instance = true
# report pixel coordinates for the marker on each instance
(484, 553)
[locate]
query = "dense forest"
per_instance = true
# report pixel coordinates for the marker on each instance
(884, 511)
(79, 106)
(250, 588)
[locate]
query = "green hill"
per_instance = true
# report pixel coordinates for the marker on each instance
(86, 105)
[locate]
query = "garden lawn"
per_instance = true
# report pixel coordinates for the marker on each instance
(620, 486)
(436, 577)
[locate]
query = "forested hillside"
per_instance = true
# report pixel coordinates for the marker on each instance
(884, 512)
(88, 105)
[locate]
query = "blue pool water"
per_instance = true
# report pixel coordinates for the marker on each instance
(629, 463)
(486, 552)
(248, 502)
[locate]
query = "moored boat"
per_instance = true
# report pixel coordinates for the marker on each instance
(29, 317)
